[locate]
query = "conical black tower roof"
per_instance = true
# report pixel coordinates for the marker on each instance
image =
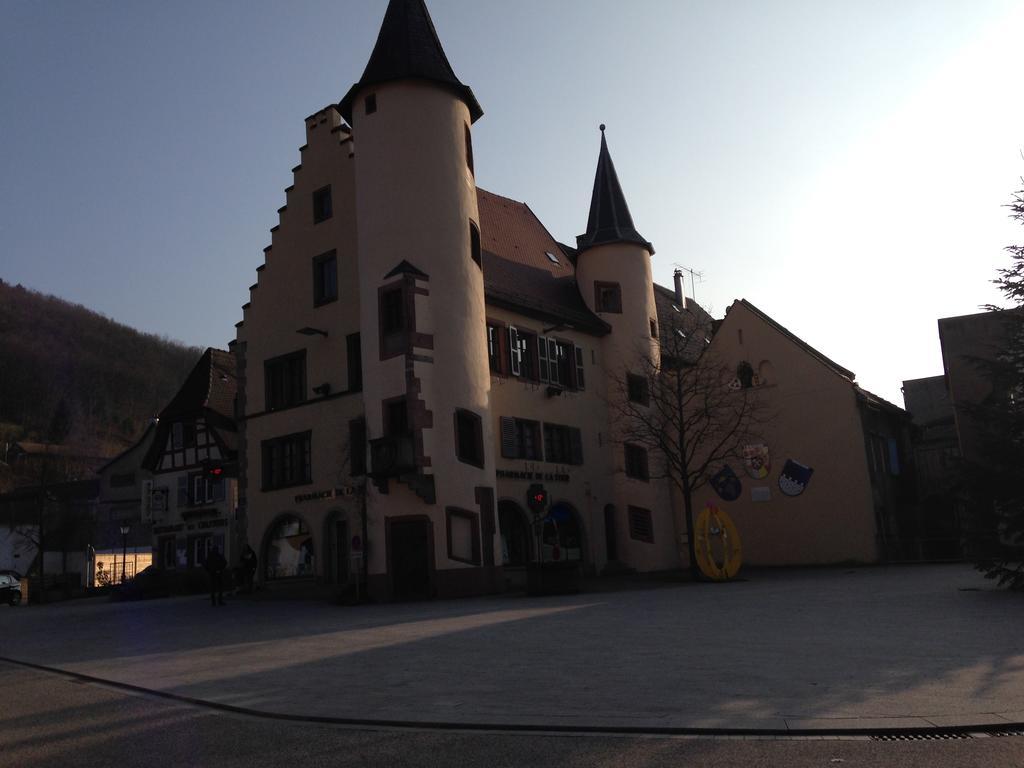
(408, 49)
(609, 220)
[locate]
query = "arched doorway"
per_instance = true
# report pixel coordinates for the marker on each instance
(563, 534)
(516, 539)
(288, 550)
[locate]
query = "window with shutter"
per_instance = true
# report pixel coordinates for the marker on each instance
(542, 353)
(515, 352)
(509, 438)
(576, 441)
(578, 353)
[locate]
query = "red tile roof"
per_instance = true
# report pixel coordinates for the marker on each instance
(519, 275)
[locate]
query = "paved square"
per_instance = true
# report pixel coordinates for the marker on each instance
(817, 648)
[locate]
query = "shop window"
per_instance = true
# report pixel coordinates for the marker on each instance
(469, 438)
(607, 297)
(289, 553)
(285, 381)
(322, 204)
(638, 389)
(562, 537)
(325, 278)
(636, 462)
(641, 525)
(286, 461)
(463, 536)
(563, 445)
(520, 439)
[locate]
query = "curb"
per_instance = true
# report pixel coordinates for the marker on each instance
(936, 731)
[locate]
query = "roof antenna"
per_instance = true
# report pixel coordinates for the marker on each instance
(694, 277)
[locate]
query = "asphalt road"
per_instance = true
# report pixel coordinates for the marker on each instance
(49, 720)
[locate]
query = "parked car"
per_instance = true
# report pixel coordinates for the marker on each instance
(10, 587)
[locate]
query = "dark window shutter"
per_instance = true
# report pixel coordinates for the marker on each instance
(576, 440)
(542, 351)
(182, 491)
(509, 438)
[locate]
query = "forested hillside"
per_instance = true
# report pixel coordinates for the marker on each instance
(68, 374)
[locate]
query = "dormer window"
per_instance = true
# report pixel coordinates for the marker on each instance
(551, 257)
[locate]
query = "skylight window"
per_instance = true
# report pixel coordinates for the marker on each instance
(551, 257)
(681, 333)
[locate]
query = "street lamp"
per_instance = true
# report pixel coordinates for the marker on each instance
(124, 549)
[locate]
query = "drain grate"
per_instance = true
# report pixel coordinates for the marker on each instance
(923, 736)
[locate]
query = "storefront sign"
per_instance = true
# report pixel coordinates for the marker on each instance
(168, 528)
(549, 477)
(334, 493)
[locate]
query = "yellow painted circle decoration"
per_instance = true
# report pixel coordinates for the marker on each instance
(719, 555)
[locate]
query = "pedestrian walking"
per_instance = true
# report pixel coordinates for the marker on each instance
(215, 566)
(249, 563)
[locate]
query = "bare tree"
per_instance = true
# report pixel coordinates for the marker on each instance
(688, 409)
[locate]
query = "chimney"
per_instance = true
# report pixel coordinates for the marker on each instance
(678, 277)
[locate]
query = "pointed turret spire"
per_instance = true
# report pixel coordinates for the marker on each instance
(408, 49)
(609, 221)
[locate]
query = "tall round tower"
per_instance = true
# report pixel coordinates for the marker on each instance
(613, 271)
(426, 380)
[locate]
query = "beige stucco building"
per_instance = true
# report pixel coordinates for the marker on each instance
(417, 352)
(830, 479)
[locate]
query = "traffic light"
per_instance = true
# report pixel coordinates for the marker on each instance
(536, 498)
(213, 470)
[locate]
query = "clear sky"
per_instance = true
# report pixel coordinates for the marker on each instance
(842, 165)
